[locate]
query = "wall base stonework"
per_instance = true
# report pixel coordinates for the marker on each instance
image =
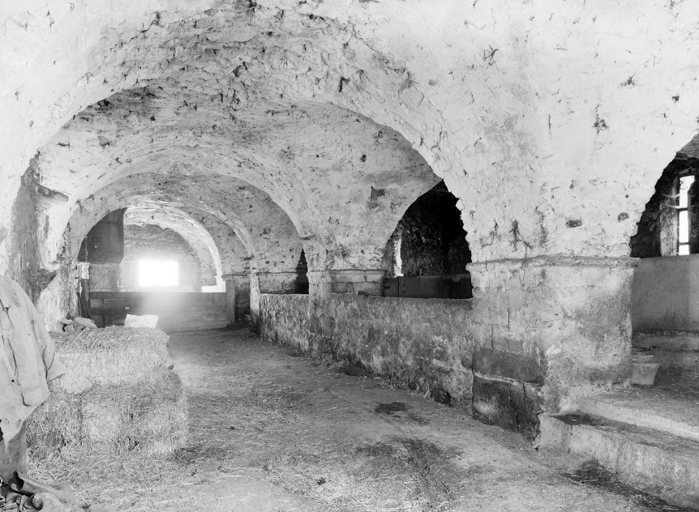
(237, 296)
(423, 344)
(539, 334)
(566, 320)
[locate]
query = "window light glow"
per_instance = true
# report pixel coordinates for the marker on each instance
(685, 183)
(684, 227)
(158, 273)
(683, 220)
(398, 269)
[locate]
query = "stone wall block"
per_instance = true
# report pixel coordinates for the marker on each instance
(570, 314)
(491, 403)
(517, 367)
(508, 404)
(420, 343)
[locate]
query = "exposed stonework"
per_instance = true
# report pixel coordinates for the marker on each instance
(572, 316)
(424, 344)
(430, 238)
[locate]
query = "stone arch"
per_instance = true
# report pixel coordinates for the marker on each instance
(351, 72)
(194, 233)
(265, 232)
(342, 184)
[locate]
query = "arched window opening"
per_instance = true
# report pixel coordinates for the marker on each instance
(427, 253)
(669, 225)
(302, 271)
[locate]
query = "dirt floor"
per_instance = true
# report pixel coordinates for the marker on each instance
(271, 430)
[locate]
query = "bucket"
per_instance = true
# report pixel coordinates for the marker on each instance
(644, 368)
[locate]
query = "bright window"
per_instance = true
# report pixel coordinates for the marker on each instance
(683, 216)
(158, 273)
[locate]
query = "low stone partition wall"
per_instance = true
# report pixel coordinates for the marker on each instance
(284, 320)
(424, 344)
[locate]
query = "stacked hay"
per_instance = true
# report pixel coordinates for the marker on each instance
(149, 416)
(117, 395)
(110, 356)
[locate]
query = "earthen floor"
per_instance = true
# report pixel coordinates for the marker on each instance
(297, 434)
(271, 430)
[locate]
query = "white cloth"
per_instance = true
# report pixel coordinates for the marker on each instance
(141, 321)
(28, 358)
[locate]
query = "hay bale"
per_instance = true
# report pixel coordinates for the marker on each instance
(148, 416)
(109, 356)
(101, 421)
(55, 425)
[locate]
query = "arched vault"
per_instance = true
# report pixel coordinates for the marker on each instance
(343, 180)
(521, 110)
(262, 230)
(195, 234)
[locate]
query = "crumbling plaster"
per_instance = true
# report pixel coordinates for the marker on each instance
(343, 180)
(509, 103)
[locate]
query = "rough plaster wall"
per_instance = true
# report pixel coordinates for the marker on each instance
(572, 316)
(25, 263)
(558, 102)
(59, 298)
(151, 239)
(234, 256)
(341, 178)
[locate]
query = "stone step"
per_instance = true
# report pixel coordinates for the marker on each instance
(669, 406)
(677, 364)
(677, 352)
(670, 341)
(655, 462)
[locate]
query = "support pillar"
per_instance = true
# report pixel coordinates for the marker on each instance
(268, 282)
(550, 330)
(322, 285)
(237, 296)
(277, 282)
(358, 282)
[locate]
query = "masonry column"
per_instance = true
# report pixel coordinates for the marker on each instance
(550, 329)
(237, 296)
(357, 282)
(268, 282)
(322, 284)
